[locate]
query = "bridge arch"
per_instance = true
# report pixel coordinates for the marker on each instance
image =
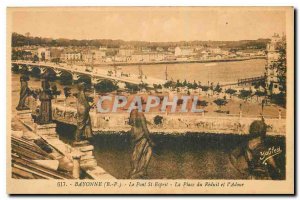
(84, 78)
(65, 77)
(36, 72)
(15, 68)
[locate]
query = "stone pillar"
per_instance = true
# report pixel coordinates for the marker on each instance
(279, 113)
(43, 70)
(57, 73)
(95, 120)
(75, 77)
(94, 80)
(25, 115)
(29, 68)
(76, 165)
(203, 113)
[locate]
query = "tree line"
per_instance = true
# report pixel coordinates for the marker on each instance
(19, 40)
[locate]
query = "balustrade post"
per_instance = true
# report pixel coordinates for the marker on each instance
(76, 165)
(279, 113)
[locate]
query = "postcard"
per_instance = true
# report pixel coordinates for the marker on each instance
(150, 100)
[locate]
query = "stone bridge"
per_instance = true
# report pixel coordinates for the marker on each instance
(77, 71)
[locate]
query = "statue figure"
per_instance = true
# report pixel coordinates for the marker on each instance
(45, 112)
(247, 158)
(24, 93)
(142, 145)
(84, 126)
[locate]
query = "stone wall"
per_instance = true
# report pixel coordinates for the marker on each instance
(171, 123)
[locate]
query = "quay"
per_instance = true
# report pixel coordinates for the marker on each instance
(181, 61)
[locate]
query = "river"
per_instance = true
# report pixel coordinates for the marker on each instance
(222, 72)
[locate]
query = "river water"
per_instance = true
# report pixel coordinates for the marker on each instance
(214, 72)
(191, 156)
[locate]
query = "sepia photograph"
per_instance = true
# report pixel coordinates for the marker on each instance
(150, 100)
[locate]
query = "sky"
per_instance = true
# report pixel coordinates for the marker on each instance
(155, 24)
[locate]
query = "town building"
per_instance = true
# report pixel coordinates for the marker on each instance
(55, 54)
(125, 51)
(71, 56)
(171, 49)
(148, 57)
(43, 54)
(184, 51)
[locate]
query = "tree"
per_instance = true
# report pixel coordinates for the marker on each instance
(280, 66)
(15, 69)
(202, 103)
(245, 94)
(178, 84)
(157, 86)
(220, 102)
(279, 99)
(204, 88)
(35, 58)
(218, 88)
(169, 84)
(55, 91)
(131, 87)
(158, 120)
(230, 91)
(67, 93)
(106, 86)
(143, 86)
(260, 93)
(192, 85)
(195, 85)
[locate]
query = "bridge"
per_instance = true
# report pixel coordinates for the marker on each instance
(96, 74)
(246, 81)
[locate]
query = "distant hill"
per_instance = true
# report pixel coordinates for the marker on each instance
(21, 40)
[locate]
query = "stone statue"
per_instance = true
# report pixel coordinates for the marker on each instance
(248, 158)
(45, 113)
(24, 93)
(84, 127)
(142, 145)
